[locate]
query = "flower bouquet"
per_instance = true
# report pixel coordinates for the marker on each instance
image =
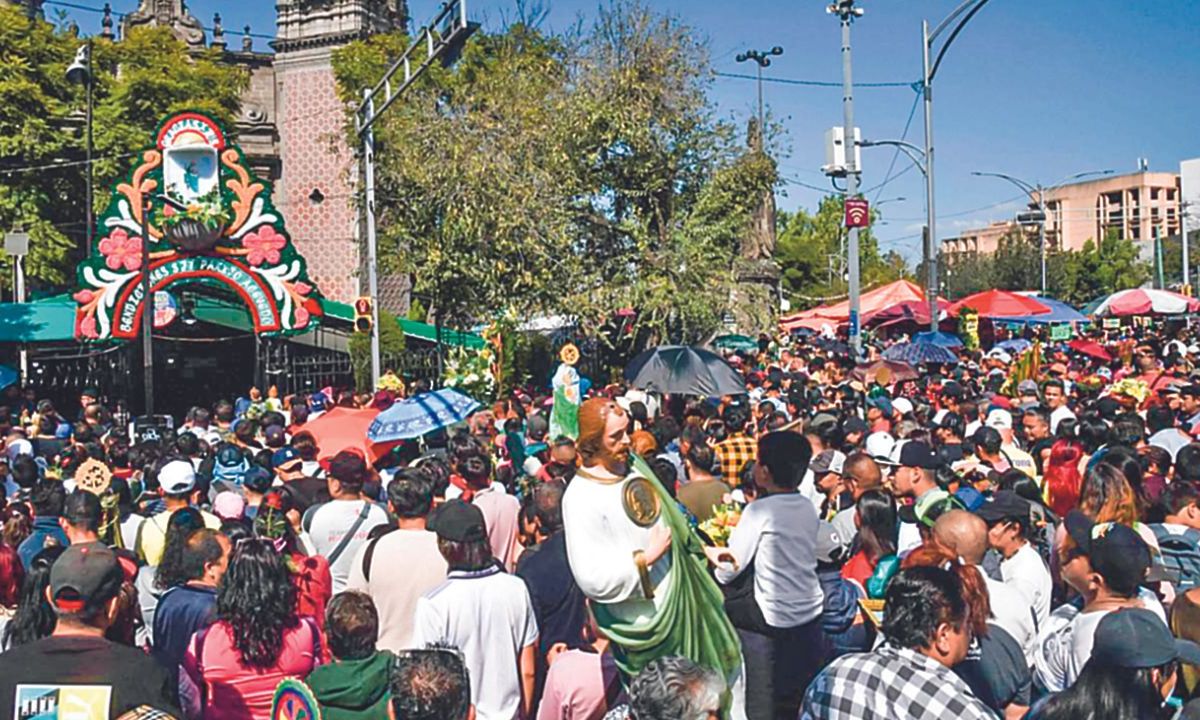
(724, 519)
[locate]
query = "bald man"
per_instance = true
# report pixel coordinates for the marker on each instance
(966, 535)
(860, 474)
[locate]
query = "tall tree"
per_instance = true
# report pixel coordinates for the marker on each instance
(137, 81)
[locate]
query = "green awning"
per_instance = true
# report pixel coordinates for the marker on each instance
(411, 328)
(52, 319)
(48, 320)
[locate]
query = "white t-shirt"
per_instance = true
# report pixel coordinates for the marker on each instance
(326, 525)
(488, 616)
(396, 593)
(1065, 643)
(1026, 573)
(1012, 612)
(779, 534)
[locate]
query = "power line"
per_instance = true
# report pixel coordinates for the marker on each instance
(887, 177)
(101, 11)
(916, 86)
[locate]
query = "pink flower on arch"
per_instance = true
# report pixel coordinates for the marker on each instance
(301, 318)
(121, 251)
(87, 327)
(264, 245)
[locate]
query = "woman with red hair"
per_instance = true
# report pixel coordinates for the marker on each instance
(12, 576)
(1063, 479)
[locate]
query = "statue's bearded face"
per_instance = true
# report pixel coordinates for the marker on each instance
(615, 442)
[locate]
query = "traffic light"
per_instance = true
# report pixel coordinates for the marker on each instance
(364, 318)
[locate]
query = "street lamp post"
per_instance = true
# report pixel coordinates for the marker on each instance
(966, 10)
(1037, 194)
(846, 12)
(761, 58)
(80, 72)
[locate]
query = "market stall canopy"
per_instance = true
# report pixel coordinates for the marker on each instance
(916, 311)
(885, 372)
(1000, 304)
(1060, 312)
(1145, 301)
(418, 416)
(870, 303)
(735, 342)
(1090, 348)
(683, 370)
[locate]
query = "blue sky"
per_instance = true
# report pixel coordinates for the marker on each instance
(1037, 89)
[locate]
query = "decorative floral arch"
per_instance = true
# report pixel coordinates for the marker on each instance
(207, 216)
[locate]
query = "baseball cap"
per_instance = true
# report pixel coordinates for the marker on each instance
(879, 446)
(998, 354)
(1115, 551)
(1004, 505)
(902, 405)
(177, 477)
(929, 507)
(84, 577)
(316, 402)
(229, 505)
(828, 461)
(854, 425)
(458, 521)
(953, 391)
(999, 419)
(1137, 638)
(1027, 387)
(258, 479)
(274, 436)
(230, 464)
(830, 548)
(917, 454)
(284, 456)
(881, 403)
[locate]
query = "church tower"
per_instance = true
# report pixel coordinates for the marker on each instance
(316, 186)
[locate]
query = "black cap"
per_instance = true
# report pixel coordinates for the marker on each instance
(917, 454)
(953, 391)
(854, 425)
(458, 521)
(85, 577)
(1115, 551)
(349, 467)
(1004, 505)
(1137, 638)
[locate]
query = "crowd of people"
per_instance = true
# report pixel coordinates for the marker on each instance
(991, 538)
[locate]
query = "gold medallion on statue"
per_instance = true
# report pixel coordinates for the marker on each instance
(640, 501)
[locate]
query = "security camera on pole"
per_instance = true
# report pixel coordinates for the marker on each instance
(845, 10)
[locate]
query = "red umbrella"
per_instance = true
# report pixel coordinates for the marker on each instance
(1090, 348)
(343, 428)
(1000, 304)
(885, 372)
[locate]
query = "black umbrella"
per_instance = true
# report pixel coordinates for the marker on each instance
(682, 370)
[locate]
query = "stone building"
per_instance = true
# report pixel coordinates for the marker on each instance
(292, 125)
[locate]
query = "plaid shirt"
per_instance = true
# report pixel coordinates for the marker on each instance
(890, 684)
(734, 452)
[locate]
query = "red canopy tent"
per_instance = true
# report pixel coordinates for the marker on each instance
(1000, 304)
(901, 291)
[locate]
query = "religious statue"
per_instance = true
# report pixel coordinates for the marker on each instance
(564, 417)
(634, 556)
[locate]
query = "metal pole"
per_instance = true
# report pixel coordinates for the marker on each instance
(372, 270)
(760, 99)
(931, 291)
(1183, 230)
(147, 317)
(852, 172)
(19, 268)
(91, 230)
(1042, 234)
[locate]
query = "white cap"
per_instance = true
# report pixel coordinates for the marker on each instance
(177, 477)
(998, 354)
(879, 445)
(999, 419)
(902, 405)
(893, 458)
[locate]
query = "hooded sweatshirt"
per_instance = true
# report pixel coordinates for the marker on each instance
(353, 689)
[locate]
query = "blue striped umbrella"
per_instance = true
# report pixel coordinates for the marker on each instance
(421, 415)
(916, 353)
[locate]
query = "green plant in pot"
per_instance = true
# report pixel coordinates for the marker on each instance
(196, 225)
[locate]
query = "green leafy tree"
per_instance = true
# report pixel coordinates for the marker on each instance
(1098, 270)
(391, 345)
(42, 131)
(811, 249)
(549, 173)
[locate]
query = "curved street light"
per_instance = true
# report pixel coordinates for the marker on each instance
(761, 58)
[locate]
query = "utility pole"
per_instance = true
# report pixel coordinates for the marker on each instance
(1183, 230)
(846, 11)
(80, 72)
(761, 58)
(440, 40)
(147, 317)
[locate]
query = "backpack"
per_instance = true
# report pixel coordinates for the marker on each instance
(1180, 555)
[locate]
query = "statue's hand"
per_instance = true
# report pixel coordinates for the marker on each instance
(660, 543)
